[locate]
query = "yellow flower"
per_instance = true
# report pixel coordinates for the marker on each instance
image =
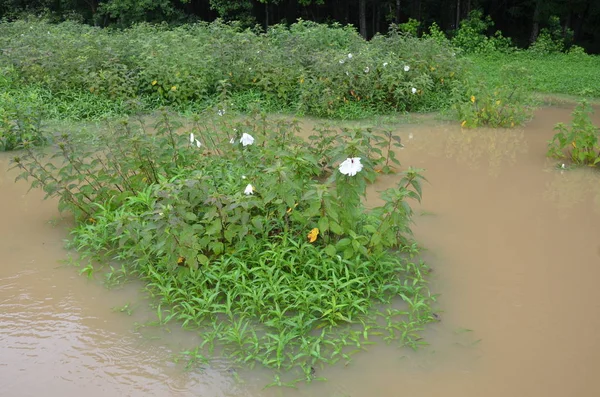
(574, 145)
(432, 68)
(512, 124)
(312, 236)
(174, 88)
(301, 80)
(498, 102)
(181, 260)
(92, 220)
(463, 123)
(451, 74)
(473, 98)
(154, 82)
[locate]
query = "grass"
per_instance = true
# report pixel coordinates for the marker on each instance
(567, 74)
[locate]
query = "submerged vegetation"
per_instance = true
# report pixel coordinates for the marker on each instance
(255, 237)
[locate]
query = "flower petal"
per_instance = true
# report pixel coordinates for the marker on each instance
(246, 139)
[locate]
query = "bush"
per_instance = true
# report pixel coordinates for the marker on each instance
(256, 237)
(581, 142)
(504, 105)
(472, 36)
(304, 67)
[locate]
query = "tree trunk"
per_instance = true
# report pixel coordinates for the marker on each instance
(362, 18)
(397, 12)
(266, 16)
(457, 14)
(535, 26)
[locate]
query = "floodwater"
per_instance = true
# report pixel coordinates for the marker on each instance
(513, 241)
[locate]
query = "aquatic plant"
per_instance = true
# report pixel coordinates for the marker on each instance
(581, 142)
(256, 238)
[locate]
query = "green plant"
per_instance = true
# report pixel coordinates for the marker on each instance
(581, 142)
(19, 125)
(257, 238)
(505, 105)
(472, 36)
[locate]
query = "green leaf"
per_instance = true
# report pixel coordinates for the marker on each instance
(331, 250)
(336, 228)
(323, 224)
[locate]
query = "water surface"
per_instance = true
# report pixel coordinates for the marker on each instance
(515, 248)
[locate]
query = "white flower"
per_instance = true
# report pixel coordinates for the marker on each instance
(351, 166)
(232, 141)
(411, 136)
(367, 69)
(221, 112)
(249, 190)
(246, 139)
(385, 64)
(563, 166)
(342, 61)
(347, 73)
(192, 138)
(349, 56)
(198, 143)
(243, 176)
(406, 68)
(413, 90)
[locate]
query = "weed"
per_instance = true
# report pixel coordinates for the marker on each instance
(581, 142)
(253, 236)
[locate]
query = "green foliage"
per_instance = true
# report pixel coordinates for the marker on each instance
(472, 36)
(553, 39)
(265, 247)
(127, 12)
(411, 27)
(574, 73)
(504, 105)
(435, 33)
(19, 124)
(305, 68)
(581, 142)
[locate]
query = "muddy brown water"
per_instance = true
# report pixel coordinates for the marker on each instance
(515, 248)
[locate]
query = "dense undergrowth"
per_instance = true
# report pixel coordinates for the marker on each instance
(254, 237)
(77, 72)
(309, 68)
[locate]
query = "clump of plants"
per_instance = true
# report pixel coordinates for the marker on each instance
(505, 105)
(308, 68)
(579, 142)
(20, 124)
(254, 237)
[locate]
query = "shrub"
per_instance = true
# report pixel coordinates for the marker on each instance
(504, 105)
(254, 236)
(20, 124)
(304, 67)
(579, 143)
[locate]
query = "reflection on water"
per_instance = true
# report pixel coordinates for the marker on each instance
(482, 147)
(513, 244)
(570, 188)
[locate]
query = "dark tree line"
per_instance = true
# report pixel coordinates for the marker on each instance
(521, 20)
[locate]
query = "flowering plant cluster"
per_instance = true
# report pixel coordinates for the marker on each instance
(244, 230)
